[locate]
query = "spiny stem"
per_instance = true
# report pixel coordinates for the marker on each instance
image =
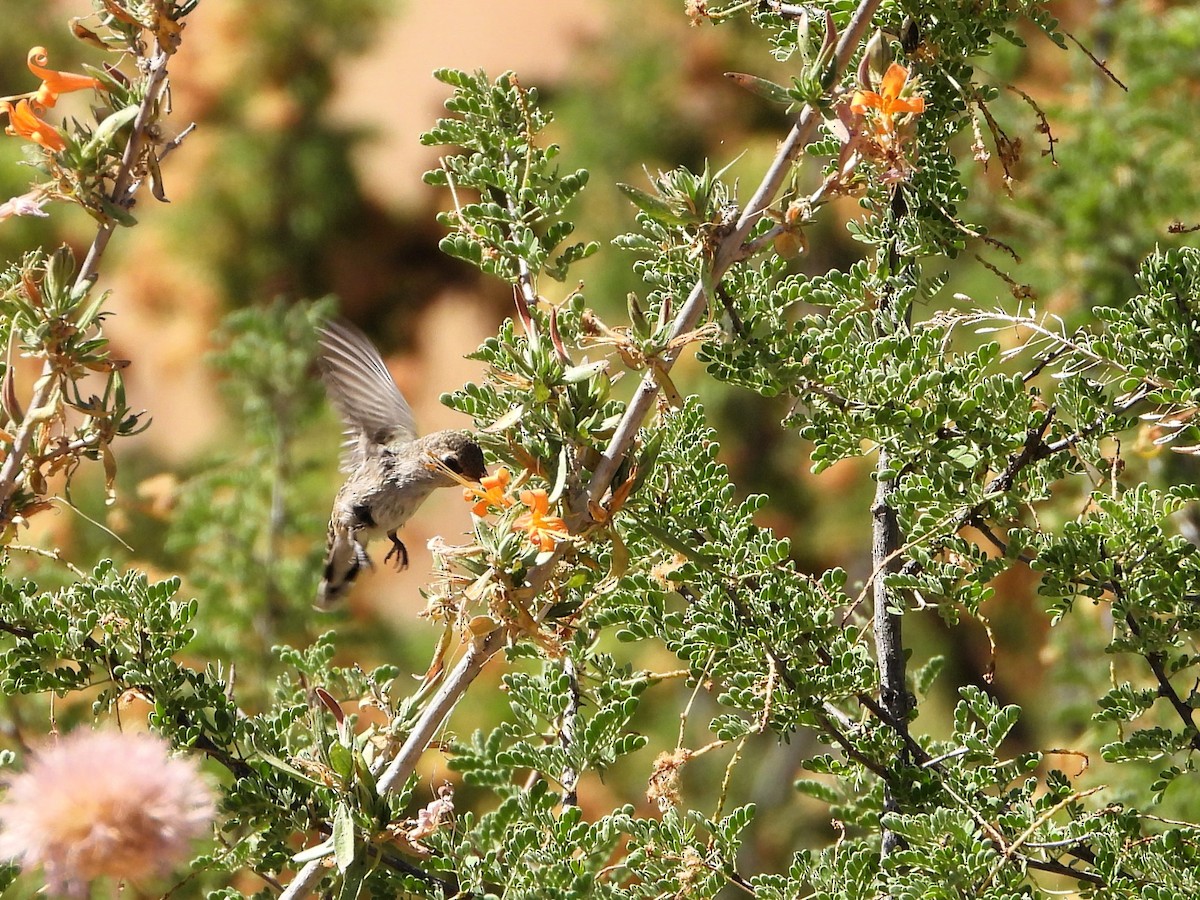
(889, 640)
(567, 733)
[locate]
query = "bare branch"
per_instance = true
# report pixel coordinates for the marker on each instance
(469, 666)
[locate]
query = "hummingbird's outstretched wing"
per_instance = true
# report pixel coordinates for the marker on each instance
(362, 390)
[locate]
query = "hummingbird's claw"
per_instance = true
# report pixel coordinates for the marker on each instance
(399, 551)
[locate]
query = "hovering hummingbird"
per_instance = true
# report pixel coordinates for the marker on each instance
(390, 470)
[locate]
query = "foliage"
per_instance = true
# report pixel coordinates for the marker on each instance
(999, 434)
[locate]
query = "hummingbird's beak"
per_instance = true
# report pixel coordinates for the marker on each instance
(436, 465)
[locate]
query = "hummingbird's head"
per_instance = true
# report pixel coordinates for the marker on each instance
(457, 452)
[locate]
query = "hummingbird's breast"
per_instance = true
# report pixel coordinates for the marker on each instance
(383, 493)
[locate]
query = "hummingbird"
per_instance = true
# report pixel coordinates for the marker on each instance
(390, 470)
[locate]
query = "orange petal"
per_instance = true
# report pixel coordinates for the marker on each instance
(538, 501)
(55, 83)
(893, 82)
(909, 105)
(864, 100)
(37, 60)
(24, 122)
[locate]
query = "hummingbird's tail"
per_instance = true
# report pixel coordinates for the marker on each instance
(343, 560)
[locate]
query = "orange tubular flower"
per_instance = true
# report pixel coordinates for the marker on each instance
(23, 122)
(544, 529)
(490, 493)
(888, 101)
(55, 83)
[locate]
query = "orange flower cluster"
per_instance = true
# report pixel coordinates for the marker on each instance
(887, 101)
(24, 116)
(544, 529)
(491, 493)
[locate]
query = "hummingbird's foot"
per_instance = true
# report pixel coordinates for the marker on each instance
(399, 551)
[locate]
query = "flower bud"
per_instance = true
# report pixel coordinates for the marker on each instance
(876, 58)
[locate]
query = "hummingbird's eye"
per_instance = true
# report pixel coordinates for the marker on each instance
(452, 463)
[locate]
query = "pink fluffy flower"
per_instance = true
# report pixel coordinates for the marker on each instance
(102, 804)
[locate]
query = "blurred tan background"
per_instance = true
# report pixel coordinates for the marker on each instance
(303, 179)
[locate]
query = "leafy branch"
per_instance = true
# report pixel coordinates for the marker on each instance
(138, 159)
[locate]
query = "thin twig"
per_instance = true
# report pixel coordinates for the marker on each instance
(155, 83)
(983, 528)
(1099, 63)
(567, 733)
(1032, 449)
(54, 554)
(792, 10)
(1125, 405)
(304, 880)
(1156, 660)
(20, 631)
(1011, 850)
(43, 390)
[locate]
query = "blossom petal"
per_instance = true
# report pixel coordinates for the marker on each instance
(908, 105)
(24, 122)
(893, 81)
(538, 501)
(53, 82)
(498, 480)
(864, 100)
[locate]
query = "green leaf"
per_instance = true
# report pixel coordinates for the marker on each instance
(761, 87)
(107, 130)
(655, 207)
(343, 836)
